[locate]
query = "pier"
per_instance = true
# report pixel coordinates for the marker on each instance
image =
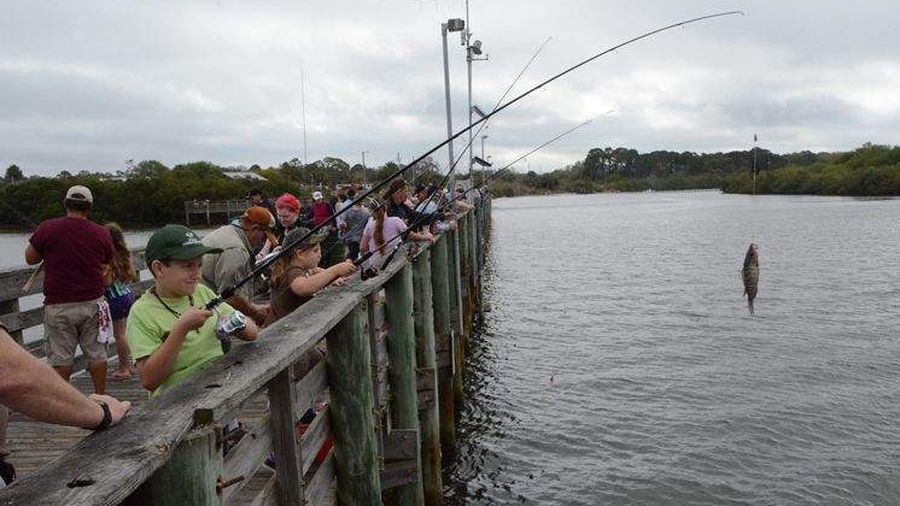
(385, 399)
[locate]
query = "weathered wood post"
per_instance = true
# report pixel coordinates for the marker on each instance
(473, 266)
(349, 364)
(455, 317)
(402, 352)
(423, 318)
(440, 286)
(188, 477)
(284, 440)
(464, 250)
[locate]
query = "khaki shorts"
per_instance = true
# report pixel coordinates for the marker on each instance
(69, 325)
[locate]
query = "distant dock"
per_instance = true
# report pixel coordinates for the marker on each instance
(212, 211)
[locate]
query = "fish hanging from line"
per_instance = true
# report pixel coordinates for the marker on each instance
(750, 273)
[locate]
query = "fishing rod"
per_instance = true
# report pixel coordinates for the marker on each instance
(391, 192)
(422, 218)
(449, 174)
(262, 266)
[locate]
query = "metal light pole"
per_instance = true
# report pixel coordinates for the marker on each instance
(473, 49)
(452, 25)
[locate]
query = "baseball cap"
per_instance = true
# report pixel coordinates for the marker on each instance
(317, 195)
(176, 242)
(261, 217)
(288, 201)
(295, 234)
(80, 194)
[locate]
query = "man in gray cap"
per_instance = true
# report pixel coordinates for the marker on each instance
(76, 253)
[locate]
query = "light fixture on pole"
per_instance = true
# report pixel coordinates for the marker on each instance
(473, 51)
(452, 25)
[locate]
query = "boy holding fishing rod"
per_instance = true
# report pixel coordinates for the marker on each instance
(170, 334)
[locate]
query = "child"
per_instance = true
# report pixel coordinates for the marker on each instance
(120, 297)
(381, 228)
(170, 334)
(296, 277)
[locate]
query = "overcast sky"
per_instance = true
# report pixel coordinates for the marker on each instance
(88, 85)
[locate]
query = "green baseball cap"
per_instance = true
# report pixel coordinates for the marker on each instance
(176, 242)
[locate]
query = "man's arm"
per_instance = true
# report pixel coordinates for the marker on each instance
(32, 256)
(30, 386)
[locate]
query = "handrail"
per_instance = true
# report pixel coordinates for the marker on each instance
(107, 467)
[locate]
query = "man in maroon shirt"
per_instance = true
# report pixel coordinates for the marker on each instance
(76, 253)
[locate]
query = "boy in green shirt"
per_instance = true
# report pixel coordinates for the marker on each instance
(170, 334)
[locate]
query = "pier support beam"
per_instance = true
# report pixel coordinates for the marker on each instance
(402, 352)
(423, 317)
(189, 476)
(440, 286)
(349, 367)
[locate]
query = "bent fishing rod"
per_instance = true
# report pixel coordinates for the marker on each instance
(455, 162)
(422, 218)
(265, 264)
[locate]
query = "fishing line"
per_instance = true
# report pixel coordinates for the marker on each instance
(421, 218)
(262, 266)
(452, 169)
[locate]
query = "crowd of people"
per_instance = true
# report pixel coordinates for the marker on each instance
(167, 335)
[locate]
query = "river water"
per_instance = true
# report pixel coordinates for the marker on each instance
(619, 364)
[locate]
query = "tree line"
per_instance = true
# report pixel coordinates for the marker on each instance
(150, 193)
(869, 170)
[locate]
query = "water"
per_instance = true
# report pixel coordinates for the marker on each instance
(664, 390)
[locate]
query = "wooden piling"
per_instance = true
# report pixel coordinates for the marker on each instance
(349, 365)
(440, 287)
(423, 318)
(465, 293)
(402, 352)
(284, 440)
(455, 317)
(189, 477)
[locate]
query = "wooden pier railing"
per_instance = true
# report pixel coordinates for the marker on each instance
(385, 400)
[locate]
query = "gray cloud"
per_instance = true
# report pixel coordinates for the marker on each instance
(88, 85)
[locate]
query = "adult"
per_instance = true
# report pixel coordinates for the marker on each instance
(76, 253)
(30, 386)
(238, 240)
(319, 212)
(396, 198)
(355, 220)
(256, 198)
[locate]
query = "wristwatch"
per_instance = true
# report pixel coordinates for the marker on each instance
(107, 417)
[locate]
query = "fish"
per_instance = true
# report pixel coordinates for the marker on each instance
(750, 273)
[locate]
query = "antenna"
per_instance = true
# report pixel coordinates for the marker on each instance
(303, 106)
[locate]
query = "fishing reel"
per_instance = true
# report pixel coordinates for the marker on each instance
(368, 273)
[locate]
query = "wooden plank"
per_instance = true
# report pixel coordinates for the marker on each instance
(399, 473)
(402, 374)
(13, 279)
(320, 488)
(318, 432)
(423, 319)
(310, 388)
(268, 496)
(284, 439)
(17, 320)
(125, 456)
(246, 457)
(350, 389)
(401, 444)
(425, 388)
(189, 476)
